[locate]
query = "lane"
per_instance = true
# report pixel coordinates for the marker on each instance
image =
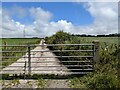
(45, 67)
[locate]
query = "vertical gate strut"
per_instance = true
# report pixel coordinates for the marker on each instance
(29, 60)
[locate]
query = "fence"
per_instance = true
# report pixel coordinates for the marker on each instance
(38, 59)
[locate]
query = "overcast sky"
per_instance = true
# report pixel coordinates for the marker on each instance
(40, 19)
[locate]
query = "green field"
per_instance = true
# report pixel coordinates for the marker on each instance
(18, 41)
(102, 40)
(110, 40)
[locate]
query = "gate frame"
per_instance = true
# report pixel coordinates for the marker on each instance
(96, 56)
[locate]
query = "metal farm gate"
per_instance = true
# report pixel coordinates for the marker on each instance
(58, 59)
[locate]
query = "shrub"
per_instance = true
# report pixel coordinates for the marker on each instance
(102, 80)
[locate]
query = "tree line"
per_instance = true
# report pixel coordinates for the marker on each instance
(100, 35)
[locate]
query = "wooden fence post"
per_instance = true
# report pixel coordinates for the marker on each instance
(96, 51)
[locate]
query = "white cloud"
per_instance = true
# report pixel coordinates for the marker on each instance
(104, 14)
(42, 24)
(11, 28)
(103, 10)
(18, 11)
(41, 16)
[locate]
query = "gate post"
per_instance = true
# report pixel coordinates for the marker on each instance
(96, 51)
(29, 60)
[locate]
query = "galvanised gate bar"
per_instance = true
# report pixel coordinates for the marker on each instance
(41, 59)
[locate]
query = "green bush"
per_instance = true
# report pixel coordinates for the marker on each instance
(98, 80)
(101, 80)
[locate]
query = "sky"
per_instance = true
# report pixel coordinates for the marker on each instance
(41, 19)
